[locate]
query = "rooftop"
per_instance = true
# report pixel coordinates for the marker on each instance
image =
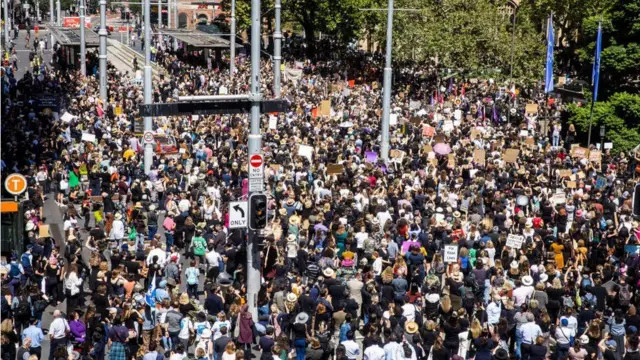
(71, 36)
(200, 39)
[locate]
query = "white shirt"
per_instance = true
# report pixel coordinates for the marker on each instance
(530, 331)
(374, 352)
(361, 237)
(58, 328)
(521, 294)
(213, 258)
(352, 349)
(117, 230)
(377, 266)
(73, 283)
(162, 256)
(390, 350)
(184, 205)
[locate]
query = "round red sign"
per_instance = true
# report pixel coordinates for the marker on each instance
(255, 160)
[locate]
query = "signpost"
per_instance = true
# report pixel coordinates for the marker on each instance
(238, 215)
(148, 137)
(256, 166)
(15, 184)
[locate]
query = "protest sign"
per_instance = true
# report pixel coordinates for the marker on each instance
(306, 151)
(427, 149)
(325, 108)
(396, 154)
(428, 130)
(291, 74)
(88, 137)
(479, 156)
(414, 105)
(393, 119)
(450, 253)
(579, 152)
(415, 120)
(608, 145)
(457, 114)
(595, 156)
(273, 122)
(571, 184)
(531, 108)
(118, 110)
(515, 241)
(371, 156)
(439, 139)
(452, 161)
(474, 134)
(530, 141)
(66, 117)
(335, 169)
(447, 126)
(44, 231)
(601, 182)
(559, 198)
(511, 155)
(564, 173)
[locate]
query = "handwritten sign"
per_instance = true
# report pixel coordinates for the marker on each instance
(44, 231)
(450, 253)
(479, 156)
(595, 156)
(531, 108)
(511, 155)
(428, 131)
(335, 169)
(515, 241)
(325, 108)
(305, 151)
(580, 152)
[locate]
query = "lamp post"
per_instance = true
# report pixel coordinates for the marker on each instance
(103, 51)
(148, 121)
(83, 46)
(7, 24)
(232, 60)
(59, 17)
(386, 102)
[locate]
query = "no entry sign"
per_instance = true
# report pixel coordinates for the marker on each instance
(256, 166)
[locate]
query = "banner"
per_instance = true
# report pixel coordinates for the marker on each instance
(74, 22)
(450, 253)
(292, 74)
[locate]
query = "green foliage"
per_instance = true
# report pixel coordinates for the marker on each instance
(620, 115)
(472, 36)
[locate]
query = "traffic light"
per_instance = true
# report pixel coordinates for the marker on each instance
(257, 211)
(636, 200)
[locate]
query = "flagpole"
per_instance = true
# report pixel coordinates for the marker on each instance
(595, 77)
(590, 123)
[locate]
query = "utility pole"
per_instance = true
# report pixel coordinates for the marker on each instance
(37, 11)
(51, 23)
(103, 50)
(59, 17)
(232, 63)
(169, 14)
(148, 120)
(83, 46)
(159, 15)
(7, 25)
(255, 146)
(386, 102)
(277, 49)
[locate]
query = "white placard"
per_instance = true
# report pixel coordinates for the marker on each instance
(195, 117)
(273, 122)
(66, 117)
(451, 253)
(306, 151)
(524, 133)
(515, 241)
(608, 145)
(393, 119)
(182, 151)
(457, 114)
(447, 126)
(238, 215)
(88, 137)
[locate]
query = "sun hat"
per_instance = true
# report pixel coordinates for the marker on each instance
(184, 299)
(328, 272)
(411, 327)
(301, 318)
(118, 216)
(584, 339)
(291, 297)
(543, 278)
(291, 238)
(527, 280)
(514, 264)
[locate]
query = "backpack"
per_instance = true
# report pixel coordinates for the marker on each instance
(624, 296)
(468, 297)
(567, 301)
(39, 306)
(23, 310)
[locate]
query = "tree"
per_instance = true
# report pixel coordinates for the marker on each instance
(620, 115)
(467, 35)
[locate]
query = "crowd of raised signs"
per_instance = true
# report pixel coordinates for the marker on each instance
(490, 233)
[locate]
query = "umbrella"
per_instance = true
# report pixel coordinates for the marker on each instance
(442, 149)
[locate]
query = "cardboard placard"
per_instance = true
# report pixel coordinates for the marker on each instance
(335, 169)
(580, 152)
(479, 156)
(306, 151)
(608, 145)
(371, 156)
(325, 108)
(531, 108)
(571, 184)
(564, 173)
(415, 120)
(118, 110)
(475, 133)
(428, 131)
(530, 141)
(515, 241)
(452, 160)
(511, 155)
(450, 254)
(396, 154)
(427, 149)
(97, 199)
(273, 122)
(595, 156)
(439, 139)
(43, 231)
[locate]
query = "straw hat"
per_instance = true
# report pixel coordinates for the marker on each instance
(294, 220)
(328, 272)
(291, 238)
(184, 299)
(291, 297)
(118, 216)
(527, 280)
(138, 205)
(514, 264)
(411, 327)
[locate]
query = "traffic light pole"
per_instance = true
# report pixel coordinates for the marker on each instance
(148, 120)
(255, 144)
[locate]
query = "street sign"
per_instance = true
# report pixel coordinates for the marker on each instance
(238, 215)
(148, 137)
(207, 108)
(15, 184)
(256, 184)
(256, 166)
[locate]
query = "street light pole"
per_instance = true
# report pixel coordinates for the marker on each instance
(232, 62)
(159, 15)
(148, 121)
(277, 48)
(169, 14)
(386, 102)
(103, 50)
(7, 26)
(255, 145)
(175, 23)
(83, 47)
(37, 11)
(51, 23)
(59, 17)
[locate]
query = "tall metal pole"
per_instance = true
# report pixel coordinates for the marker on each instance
(232, 63)
(51, 22)
(255, 145)
(159, 15)
(103, 50)
(386, 102)
(59, 17)
(175, 23)
(277, 48)
(148, 121)
(37, 11)
(7, 26)
(169, 14)
(83, 47)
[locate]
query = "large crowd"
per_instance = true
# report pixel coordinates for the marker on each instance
(486, 235)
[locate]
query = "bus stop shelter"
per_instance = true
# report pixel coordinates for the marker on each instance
(194, 40)
(69, 39)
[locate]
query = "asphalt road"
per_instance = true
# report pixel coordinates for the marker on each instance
(23, 52)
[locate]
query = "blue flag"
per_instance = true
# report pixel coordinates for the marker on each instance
(548, 74)
(595, 75)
